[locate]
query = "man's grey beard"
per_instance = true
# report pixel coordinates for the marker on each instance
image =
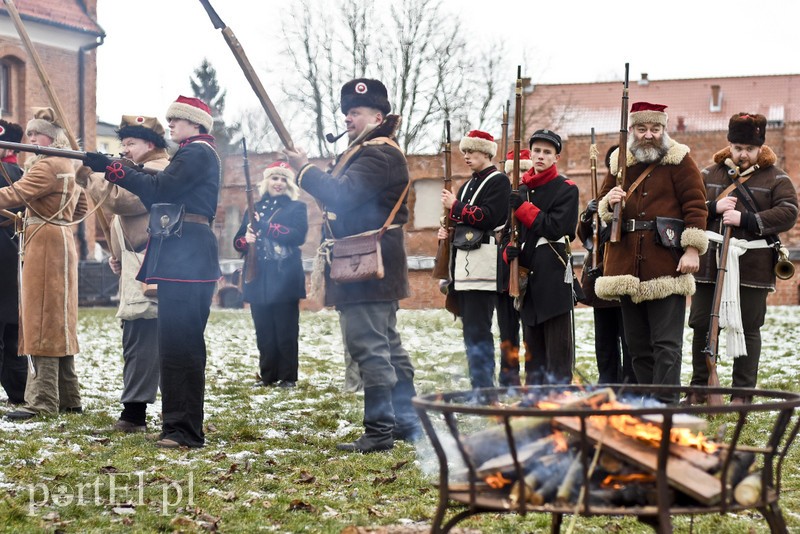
(646, 153)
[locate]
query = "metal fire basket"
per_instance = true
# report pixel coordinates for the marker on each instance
(449, 419)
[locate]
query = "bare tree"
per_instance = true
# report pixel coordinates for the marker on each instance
(415, 48)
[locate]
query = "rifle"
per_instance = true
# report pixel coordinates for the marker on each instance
(441, 266)
(622, 172)
(69, 154)
(250, 74)
(504, 135)
(513, 267)
(712, 343)
(596, 217)
(250, 263)
(55, 103)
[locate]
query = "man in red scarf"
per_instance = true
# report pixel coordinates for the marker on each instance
(546, 207)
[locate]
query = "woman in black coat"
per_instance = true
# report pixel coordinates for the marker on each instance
(281, 224)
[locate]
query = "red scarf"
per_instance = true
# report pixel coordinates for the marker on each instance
(11, 158)
(200, 137)
(533, 180)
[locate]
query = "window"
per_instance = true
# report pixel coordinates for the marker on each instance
(427, 204)
(5, 84)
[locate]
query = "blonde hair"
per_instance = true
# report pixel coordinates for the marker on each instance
(292, 191)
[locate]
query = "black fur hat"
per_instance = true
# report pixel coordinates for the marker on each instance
(10, 131)
(365, 92)
(146, 128)
(747, 129)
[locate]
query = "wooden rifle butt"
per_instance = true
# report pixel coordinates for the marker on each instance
(441, 265)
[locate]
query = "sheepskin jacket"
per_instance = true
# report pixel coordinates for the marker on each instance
(637, 266)
(775, 212)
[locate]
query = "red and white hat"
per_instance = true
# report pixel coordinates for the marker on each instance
(478, 141)
(525, 161)
(280, 168)
(193, 110)
(642, 112)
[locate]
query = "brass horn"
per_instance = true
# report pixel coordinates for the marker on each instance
(784, 269)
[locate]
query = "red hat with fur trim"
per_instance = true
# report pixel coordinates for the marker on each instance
(280, 168)
(525, 161)
(193, 110)
(643, 112)
(478, 141)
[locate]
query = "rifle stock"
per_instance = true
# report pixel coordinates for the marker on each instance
(622, 170)
(441, 266)
(513, 266)
(67, 153)
(250, 259)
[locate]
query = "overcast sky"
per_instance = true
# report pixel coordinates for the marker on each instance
(152, 46)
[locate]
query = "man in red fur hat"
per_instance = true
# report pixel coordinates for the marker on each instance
(652, 279)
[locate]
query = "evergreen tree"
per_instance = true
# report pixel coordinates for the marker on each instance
(206, 88)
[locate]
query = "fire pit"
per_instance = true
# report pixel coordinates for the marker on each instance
(607, 451)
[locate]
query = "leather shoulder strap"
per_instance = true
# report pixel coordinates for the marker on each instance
(641, 178)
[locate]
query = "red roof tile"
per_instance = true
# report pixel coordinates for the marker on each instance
(576, 108)
(63, 13)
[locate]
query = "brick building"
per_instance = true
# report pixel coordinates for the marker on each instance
(65, 34)
(699, 110)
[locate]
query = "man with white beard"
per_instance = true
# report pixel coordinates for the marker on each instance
(650, 268)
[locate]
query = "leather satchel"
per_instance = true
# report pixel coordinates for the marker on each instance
(467, 238)
(668, 232)
(166, 220)
(358, 258)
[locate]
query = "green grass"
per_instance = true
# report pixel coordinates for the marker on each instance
(270, 462)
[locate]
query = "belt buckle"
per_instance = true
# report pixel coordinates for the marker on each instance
(630, 225)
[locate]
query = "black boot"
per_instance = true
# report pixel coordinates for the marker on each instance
(378, 422)
(406, 421)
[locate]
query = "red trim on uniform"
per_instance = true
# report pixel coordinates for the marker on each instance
(11, 158)
(241, 244)
(570, 182)
(186, 281)
(527, 213)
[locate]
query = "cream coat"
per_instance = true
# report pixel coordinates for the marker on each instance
(49, 290)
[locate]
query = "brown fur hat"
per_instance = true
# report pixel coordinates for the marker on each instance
(747, 129)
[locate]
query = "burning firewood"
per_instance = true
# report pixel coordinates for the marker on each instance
(547, 467)
(492, 442)
(569, 486)
(526, 455)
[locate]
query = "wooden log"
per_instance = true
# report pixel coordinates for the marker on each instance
(492, 442)
(546, 467)
(679, 420)
(636, 494)
(738, 468)
(572, 479)
(546, 492)
(681, 474)
(748, 491)
(526, 455)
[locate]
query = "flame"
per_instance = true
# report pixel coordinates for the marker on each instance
(497, 480)
(631, 426)
(559, 442)
(617, 481)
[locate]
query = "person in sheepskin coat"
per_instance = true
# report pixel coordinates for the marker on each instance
(764, 206)
(49, 288)
(651, 280)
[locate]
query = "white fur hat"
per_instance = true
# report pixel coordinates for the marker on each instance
(478, 141)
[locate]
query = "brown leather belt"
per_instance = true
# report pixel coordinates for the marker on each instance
(195, 218)
(632, 225)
